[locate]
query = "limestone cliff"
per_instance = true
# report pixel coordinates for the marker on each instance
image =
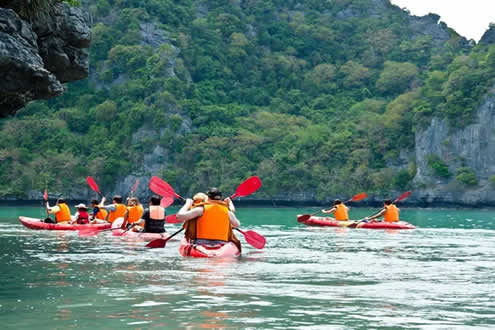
(39, 53)
(472, 148)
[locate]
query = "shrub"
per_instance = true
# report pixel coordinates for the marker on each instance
(466, 176)
(439, 167)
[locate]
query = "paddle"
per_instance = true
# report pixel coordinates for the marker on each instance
(253, 238)
(162, 188)
(172, 219)
(166, 201)
(355, 198)
(45, 197)
(92, 184)
(246, 188)
(400, 198)
(133, 189)
(249, 186)
(160, 243)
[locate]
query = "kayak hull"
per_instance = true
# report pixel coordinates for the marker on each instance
(227, 250)
(330, 222)
(144, 237)
(36, 224)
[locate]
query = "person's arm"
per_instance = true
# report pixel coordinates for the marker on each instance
(103, 199)
(379, 214)
(230, 203)
(233, 220)
(53, 210)
(74, 218)
(126, 216)
(185, 213)
(333, 209)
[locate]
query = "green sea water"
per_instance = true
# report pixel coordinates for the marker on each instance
(438, 276)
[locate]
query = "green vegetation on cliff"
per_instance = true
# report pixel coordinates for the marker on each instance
(312, 96)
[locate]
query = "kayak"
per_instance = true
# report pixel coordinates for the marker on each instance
(34, 223)
(227, 250)
(145, 237)
(330, 222)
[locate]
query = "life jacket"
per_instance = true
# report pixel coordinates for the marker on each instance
(101, 214)
(134, 213)
(391, 213)
(154, 222)
(83, 217)
(341, 212)
(64, 213)
(214, 224)
(118, 213)
(191, 225)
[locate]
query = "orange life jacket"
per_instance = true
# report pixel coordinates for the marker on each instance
(118, 213)
(135, 213)
(63, 214)
(214, 224)
(102, 214)
(391, 213)
(341, 212)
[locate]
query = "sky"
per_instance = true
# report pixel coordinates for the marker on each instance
(470, 18)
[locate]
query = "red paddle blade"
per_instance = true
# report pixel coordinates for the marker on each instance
(247, 187)
(157, 243)
(87, 232)
(303, 218)
(253, 238)
(403, 196)
(166, 201)
(92, 184)
(133, 190)
(358, 197)
(45, 195)
(162, 188)
(172, 219)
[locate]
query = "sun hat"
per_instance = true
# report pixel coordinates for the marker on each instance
(81, 206)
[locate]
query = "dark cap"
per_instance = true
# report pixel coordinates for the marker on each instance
(214, 193)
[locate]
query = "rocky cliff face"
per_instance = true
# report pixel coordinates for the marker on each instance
(39, 54)
(472, 147)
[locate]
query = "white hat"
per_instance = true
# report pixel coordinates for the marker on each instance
(81, 206)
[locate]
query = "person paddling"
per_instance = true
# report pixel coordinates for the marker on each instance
(133, 213)
(115, 210)
(153, 218)
(213, 219)
(99, 214)
(339, 210)
(390, 212)
(82, 216)
(61, 211)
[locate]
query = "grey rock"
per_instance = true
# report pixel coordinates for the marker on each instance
(24, 77)
(472, 146)
(488, 37)
(36, 57)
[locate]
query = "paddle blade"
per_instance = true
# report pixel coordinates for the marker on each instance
(358, 197)
(157, 243)
(303, 218)
(403, 196)
(45, 195)
(162, 188)
(172, 219)
(88, 232)
(247, 187)
(133, 190)
(166, 201)
(253, 238)
(92, 184)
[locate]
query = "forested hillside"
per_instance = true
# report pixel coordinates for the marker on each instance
(318, 98)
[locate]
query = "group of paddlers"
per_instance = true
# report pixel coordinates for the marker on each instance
(340, 211)
(208, 218)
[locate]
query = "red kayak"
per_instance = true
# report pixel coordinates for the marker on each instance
(34, 223)
(330, 222)
(227, 250)
(145, 237)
